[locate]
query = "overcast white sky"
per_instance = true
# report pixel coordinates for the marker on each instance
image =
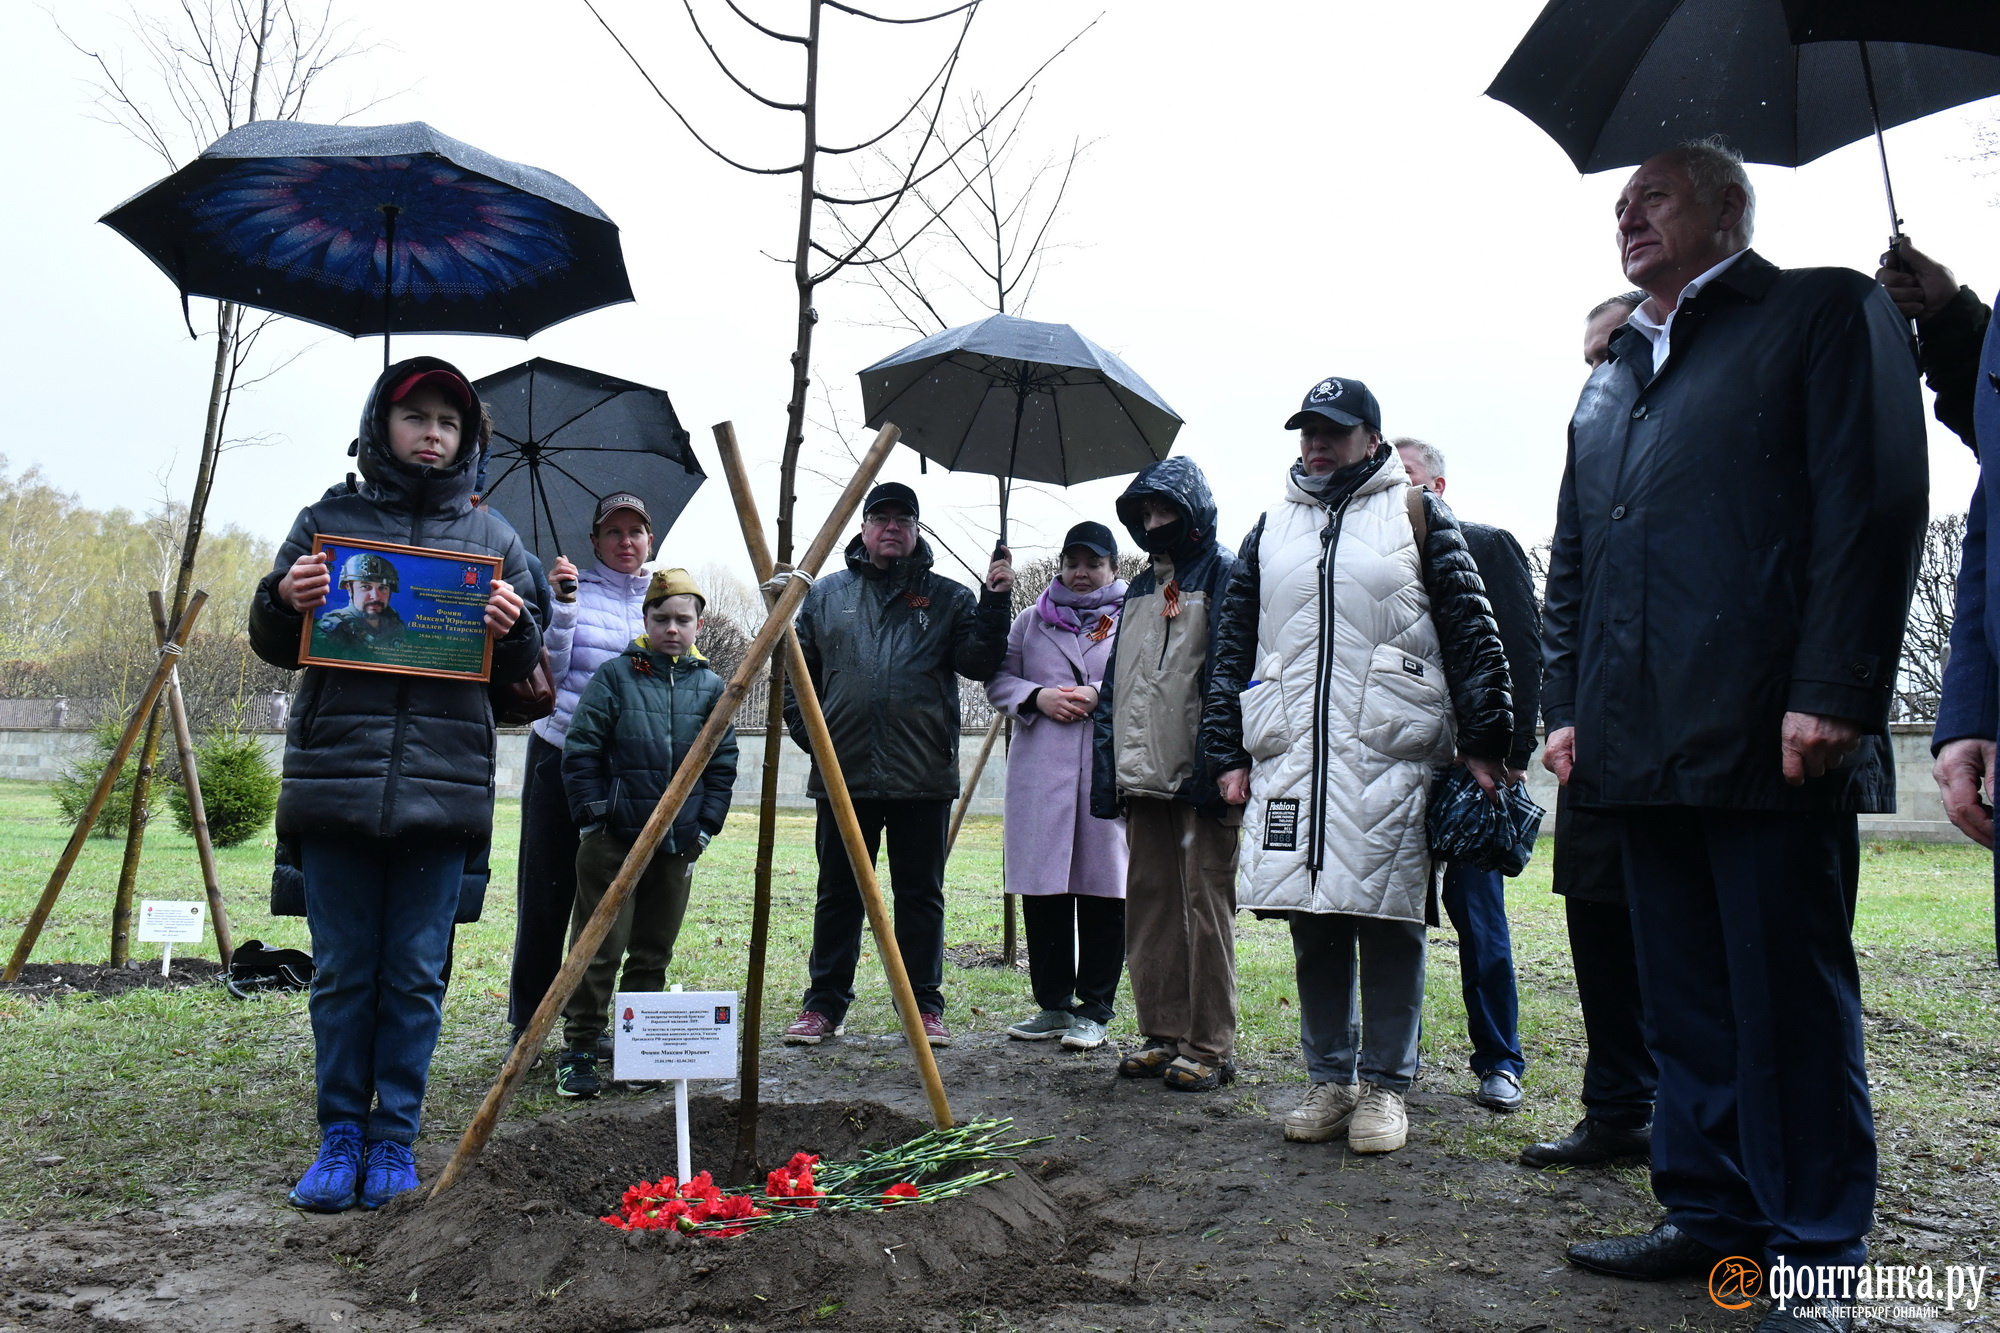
(1278, 192)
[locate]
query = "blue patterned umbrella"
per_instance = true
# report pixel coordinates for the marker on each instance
(378, 229)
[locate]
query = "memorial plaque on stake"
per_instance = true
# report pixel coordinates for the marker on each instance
(169, 924)
(405, 609)
(660, 1035)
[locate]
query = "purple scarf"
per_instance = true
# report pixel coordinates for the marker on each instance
(1064, 609)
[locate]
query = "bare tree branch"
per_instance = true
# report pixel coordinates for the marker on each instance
(928, 18)
(768, 32)
(724, 67)
(686, 124)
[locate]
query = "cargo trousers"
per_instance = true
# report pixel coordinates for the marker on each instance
(1180, 927)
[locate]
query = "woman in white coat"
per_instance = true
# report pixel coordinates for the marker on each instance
(596, 615)
(1068, 866)
(1355, 654)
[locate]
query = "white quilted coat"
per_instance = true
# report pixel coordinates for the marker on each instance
(1350, 712)
(608, 613)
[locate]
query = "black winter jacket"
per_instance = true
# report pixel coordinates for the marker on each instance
(1737, 537)
(371, 753)
(634, 723)
(1510, 591)
(886, 649)
(1475, 664)
(1950, 342)
(1202, 567)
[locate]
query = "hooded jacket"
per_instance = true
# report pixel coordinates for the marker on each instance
(1148, 716)
(635, 722)
(379, 754)
(1349, 665)
(886, 648)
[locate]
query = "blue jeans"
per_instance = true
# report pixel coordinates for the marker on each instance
(380, 912)
(1476, 902)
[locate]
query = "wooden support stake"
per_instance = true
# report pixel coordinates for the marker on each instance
(204, 848)
(837, 795)
(169, 653)
(978, 768)
(664, 813)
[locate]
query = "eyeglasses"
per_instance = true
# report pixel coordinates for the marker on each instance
(891, 520)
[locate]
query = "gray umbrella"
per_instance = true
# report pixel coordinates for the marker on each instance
(1020, 400)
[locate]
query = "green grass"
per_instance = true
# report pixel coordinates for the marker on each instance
(158, 1095)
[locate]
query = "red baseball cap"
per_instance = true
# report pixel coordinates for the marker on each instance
(444, 380)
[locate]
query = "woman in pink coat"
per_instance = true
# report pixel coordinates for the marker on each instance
(1068, 867)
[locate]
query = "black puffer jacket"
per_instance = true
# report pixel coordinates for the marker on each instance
(1475, 663)
(634, 723)
(375, 754)
(886, 648)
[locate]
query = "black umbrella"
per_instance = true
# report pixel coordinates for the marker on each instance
(1020, 400)
(565, 437)
(1615, 81)
(377, 229)
(1968, 27)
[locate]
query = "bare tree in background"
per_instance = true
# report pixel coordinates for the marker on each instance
(197, 73)
(1927, 640)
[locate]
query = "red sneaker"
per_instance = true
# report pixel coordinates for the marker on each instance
(811, 1028)
(935, 1032)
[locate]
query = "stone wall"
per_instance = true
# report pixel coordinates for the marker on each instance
(39, 753)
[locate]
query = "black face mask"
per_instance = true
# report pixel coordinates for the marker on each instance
(1166, 537)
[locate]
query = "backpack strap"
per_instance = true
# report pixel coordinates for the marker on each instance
(1419, 520)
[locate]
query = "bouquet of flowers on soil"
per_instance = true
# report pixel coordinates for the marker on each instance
(878, 1180)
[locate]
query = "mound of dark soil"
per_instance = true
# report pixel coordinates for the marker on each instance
(42, 980)
(519, 1236)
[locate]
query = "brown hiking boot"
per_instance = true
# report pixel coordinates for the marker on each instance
(1150, 1060)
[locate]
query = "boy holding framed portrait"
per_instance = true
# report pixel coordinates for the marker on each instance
(397, 598)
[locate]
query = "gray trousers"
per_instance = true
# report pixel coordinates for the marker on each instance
(643, 935)
(1377, 1038)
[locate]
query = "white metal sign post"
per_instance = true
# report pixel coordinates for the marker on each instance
(169, 924)
(677, 1035)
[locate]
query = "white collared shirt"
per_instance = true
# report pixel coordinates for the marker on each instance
(1661, 335)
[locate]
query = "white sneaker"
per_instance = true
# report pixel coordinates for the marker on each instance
(1380, 1123)
(1085, 1034)
(1324, 1114)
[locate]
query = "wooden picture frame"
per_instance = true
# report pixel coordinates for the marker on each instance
(423, 614)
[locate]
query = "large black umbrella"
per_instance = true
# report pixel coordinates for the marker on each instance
(1020, 400)
(565, 437)
(1969, 27)
(1615, 81)
(377, 229)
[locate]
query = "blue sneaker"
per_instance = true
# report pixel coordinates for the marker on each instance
(391, 1170)
(332, 1183)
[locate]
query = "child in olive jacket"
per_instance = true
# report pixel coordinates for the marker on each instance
(634, 723)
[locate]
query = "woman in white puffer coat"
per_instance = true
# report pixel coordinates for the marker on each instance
(596, 615)
(1355, 654)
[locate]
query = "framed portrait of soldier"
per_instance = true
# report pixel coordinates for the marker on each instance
(405, 609)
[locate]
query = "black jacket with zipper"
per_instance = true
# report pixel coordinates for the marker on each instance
(376, 754)
(886, 648)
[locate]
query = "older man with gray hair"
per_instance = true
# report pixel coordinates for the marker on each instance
(1736, 541)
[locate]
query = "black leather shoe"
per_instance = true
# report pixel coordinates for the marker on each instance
(1590, 1143)
(1791, 1321)
(1664, 1252)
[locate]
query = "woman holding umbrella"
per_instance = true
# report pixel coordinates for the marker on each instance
(596, 615)
(1068, 867)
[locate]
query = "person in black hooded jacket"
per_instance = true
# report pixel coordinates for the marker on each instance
(1180, 883)
(388, 781)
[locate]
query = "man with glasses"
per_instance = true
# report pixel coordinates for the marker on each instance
(886, 640)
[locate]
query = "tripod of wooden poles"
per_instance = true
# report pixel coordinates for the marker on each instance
(165, 680)
(784, 604)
